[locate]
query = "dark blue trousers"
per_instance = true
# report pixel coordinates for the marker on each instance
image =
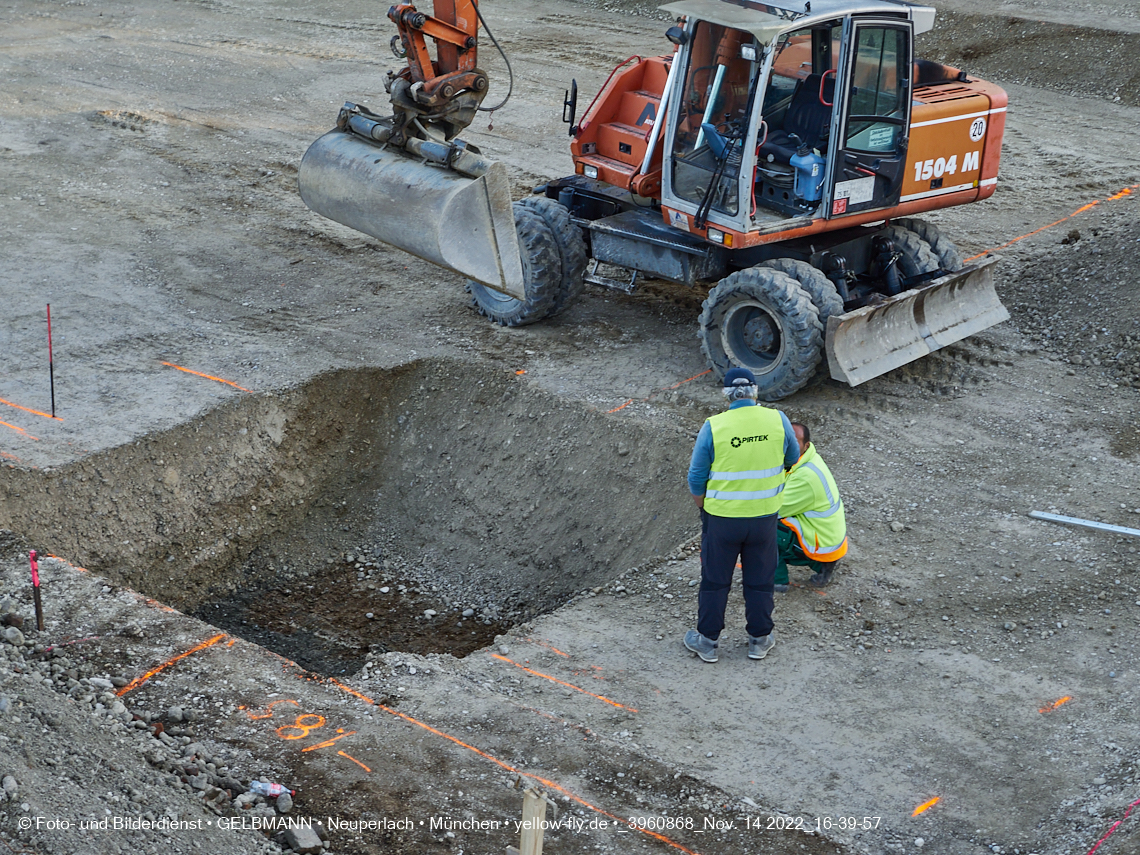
(723, 540)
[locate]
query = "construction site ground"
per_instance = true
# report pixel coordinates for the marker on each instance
(411, 564)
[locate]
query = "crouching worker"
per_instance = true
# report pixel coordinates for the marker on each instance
(813, 528)
(736, 476)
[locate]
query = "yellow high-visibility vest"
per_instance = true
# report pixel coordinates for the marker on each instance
(747, 474)
(822, 532)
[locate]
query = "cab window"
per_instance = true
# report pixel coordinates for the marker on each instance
(877, 107)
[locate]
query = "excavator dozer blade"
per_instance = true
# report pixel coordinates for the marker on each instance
(876, 339)
(465, 224)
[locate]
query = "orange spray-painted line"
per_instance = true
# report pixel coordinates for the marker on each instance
(68, 563)
(354, 760)
(1112, 829)
(1055, 704)
(563, 683)
(208, 376)
(269, 709)
(34, 412)
(1127, 191)
(662, 389)
(20, 430)
(548, 647)
(925, 806)
(544, 781)
(138, 681)
(8, 456)
(327, 742)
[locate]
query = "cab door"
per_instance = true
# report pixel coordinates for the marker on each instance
(872, 119)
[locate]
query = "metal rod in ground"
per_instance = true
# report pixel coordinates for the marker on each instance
(51, 363)
(1057, 518)
(36, 591)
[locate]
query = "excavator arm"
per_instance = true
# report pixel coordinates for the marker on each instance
(405, 178)
(454, 27)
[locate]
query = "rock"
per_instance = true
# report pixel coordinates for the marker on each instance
(174, 714)
(1009, 626)
(118, 708)
(303, 840)
(469, 612)
(11, 788)
(100, 683)
(429, 613)
(897, 526)
(132, 630)
(13, 619)
(284, 803)
(1096, 781)
(13, 636)
(504, 650)
(7, 605)
(385, 590)
(120, 682)
(919, 842)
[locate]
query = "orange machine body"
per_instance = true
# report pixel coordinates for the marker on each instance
(955, 135)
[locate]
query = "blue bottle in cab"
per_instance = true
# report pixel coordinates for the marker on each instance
(809, 169)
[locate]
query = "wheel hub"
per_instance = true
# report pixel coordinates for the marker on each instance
(751, 336)
(760, 334)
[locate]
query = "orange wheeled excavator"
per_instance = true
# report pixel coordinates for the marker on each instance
(778, 155)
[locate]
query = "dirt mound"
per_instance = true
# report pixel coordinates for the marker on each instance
(1081, 300)
(1065, 58)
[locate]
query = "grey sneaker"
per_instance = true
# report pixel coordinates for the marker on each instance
(758, 647)
(703, 647)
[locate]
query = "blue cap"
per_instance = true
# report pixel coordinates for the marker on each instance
(739, 377)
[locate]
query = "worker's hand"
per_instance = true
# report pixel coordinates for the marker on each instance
(700, 500)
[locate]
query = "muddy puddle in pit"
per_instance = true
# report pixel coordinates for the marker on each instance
(330, 621)
(282, 517)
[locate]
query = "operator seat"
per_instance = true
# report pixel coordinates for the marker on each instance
(807, 117)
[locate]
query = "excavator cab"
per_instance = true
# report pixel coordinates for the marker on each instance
(751, 158)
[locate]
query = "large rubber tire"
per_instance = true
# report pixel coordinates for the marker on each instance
(942, 247)
(917, 257)
(761, 319)
(542, 276)
(572, 251)
(821, 289)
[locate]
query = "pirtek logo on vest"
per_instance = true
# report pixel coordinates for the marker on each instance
(738, 441)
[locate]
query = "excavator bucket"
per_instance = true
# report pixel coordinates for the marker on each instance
(873, 340)
(461, 222)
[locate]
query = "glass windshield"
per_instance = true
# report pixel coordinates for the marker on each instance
(715, 92)
(878, 92)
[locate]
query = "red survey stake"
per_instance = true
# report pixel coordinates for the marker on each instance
(36, 591)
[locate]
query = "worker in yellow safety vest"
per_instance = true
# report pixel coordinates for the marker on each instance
(813, 527)
(736, 476)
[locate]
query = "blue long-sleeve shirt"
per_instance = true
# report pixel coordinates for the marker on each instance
(701, 464)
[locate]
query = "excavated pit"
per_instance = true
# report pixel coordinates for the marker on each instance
(283, 518)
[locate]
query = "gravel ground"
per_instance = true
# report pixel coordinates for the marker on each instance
(534, 477)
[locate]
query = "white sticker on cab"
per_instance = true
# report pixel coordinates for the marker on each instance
(856, 191)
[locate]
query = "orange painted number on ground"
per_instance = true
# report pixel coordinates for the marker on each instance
(299, 730)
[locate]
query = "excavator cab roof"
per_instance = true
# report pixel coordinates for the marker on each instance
(766, 21)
